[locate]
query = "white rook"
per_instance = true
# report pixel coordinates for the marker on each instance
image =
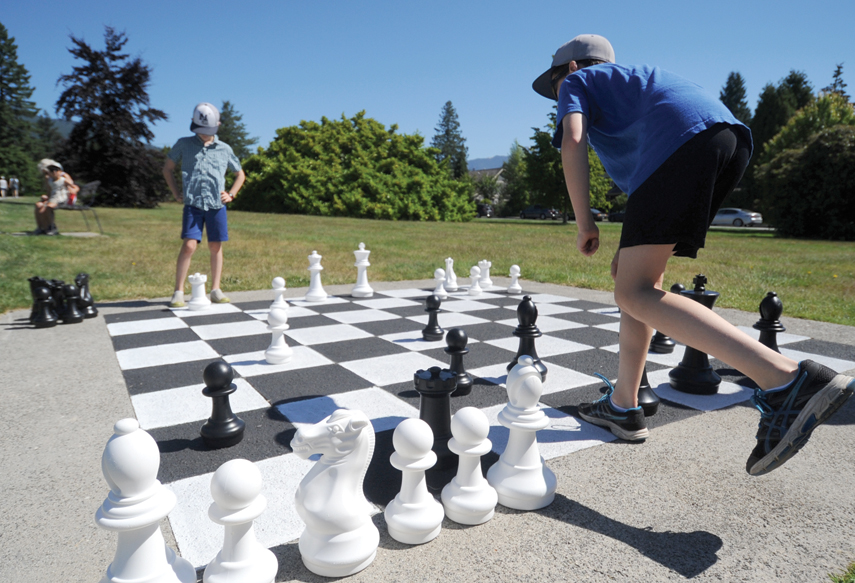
(485, 266)
(136, 504)
(198, 301)
(520, 476)
(362, 289)
(236, 490)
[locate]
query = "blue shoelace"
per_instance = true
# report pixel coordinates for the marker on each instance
(609, 391)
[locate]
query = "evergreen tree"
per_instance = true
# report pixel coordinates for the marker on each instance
(734, 97)
(514, 197)
(16, 111)
(450, 143)
(798, 89)
(233, 131)
(107, 94)
(770, 115)
(48, 140)
(837, 84)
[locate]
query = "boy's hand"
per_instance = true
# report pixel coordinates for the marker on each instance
(588, 241)
(226, 197)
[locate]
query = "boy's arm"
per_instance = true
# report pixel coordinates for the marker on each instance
(168, 174)
(236, 186)
(574, 160)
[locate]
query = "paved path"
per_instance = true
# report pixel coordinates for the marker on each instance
(677, 507)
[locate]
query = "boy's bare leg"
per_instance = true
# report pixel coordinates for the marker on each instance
(188, 247)
(638, 292)
(216, 248)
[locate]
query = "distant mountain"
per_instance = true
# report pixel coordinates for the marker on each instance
(486, 163)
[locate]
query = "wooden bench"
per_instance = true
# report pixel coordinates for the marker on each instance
(83, 203)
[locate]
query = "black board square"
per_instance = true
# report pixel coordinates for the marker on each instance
(307, 383)
(358, 349)
(224, 318)
(384, 327)
(127, 341)
(596, 337)
(137, 316)
(168, 376)
(243, 344)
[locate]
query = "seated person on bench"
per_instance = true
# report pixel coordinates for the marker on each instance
(59, 185)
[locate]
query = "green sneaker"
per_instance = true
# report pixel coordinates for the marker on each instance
(177, 300)
(218, 297)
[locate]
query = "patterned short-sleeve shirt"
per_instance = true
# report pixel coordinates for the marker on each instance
(203, 170)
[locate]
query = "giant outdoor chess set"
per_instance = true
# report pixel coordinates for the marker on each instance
(360, 352)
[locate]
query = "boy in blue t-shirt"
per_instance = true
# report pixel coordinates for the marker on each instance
(204, 161)
(677, 152)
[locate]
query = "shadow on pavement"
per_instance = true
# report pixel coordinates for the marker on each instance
(686, 553)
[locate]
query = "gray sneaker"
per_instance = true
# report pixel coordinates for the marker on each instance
(218, 297)
(177, 300)
(789, 415)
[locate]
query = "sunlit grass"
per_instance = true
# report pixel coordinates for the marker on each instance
(815, 279)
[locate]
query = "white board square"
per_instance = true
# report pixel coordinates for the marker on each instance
(466, 306)
(143, 326)
(200, 539)
(450, 320)
(231, 330)
(413, 340)
(164, 354)
(549, 309)
(546, 324)
(186, 404)
(392, 368)
(405, 293)
(782, 338)
(386, 303)
(613, 311)
(383, 409)
(250, 364)
(209, 311)
(611, 326)
(303, 303)
(672, 359)
(563, 435)
(293, 312)
(545, 345)
(325, 334)
(484, 295)
(728, 393)
(495, 373)
(550, 299)
(361, 316)
(836, 364)
(559, 378)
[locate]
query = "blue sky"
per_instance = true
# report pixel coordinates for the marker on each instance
(280, 62)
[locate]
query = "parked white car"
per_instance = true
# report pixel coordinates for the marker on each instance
(737, 218)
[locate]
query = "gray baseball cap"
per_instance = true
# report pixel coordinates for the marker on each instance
(583, 47)
(206, 119)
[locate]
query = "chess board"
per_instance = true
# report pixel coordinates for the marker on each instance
(361, 354)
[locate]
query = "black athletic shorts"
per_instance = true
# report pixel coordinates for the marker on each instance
(679, 200)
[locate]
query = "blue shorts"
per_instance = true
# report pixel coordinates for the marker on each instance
(195, 219)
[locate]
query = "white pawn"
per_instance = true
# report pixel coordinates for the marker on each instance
(362, 289)
(439, 278)
(450, 276)
(485, 266)
(414, 516)
(278, 352)
(278, 291)
(134, 508)
(198, 301)
(475, 276)
(515, 287)
(236, 490)
(469, 498)
(316, 290)
(520, 477)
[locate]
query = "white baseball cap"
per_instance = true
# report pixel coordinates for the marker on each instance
(206, 119)
(581, 48)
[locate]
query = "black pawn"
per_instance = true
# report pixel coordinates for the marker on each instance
(86, 303)
(72, 314)
(456, 340)
(44, 316)
(660, 343)
(36, 283)
(57, 292)
(435, 387)
(527, 331)
(647, 399)
(769, 323)
(432, 331)
(694, 374)
(224, 428)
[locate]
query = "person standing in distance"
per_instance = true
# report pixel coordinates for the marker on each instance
(677, 152)
(204, 161)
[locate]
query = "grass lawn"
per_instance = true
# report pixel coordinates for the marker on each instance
(136, 258)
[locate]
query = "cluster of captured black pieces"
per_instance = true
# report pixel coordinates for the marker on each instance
(55, 301)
